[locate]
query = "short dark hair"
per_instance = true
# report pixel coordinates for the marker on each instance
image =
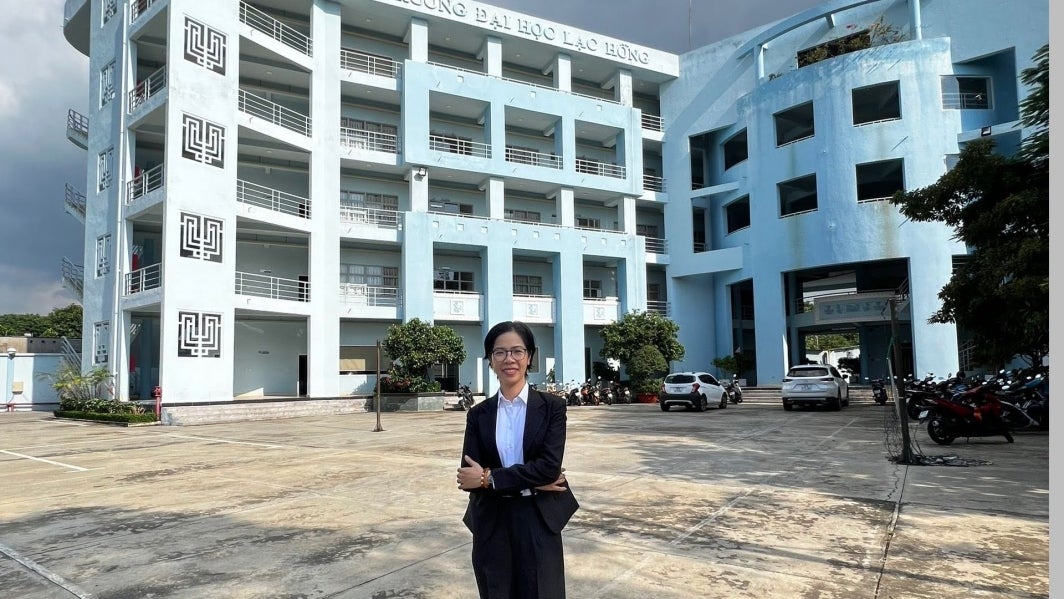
(506, 327)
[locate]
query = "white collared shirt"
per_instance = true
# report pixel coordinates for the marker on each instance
(510, 428)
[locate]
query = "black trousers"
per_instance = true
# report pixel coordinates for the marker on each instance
(519, 558)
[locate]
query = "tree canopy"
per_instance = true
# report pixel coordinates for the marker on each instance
(416, 346)
(635, 330)
(999, 208)
(58, 323)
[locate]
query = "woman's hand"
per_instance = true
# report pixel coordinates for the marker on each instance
(556, 486)
(472, 476)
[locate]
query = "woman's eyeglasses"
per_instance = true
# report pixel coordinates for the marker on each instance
(518, 353)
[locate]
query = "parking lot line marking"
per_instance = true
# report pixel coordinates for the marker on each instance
(217, 440)
(39, 569)
(54, 463)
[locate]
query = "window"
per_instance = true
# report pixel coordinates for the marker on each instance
(101, 338)
(362, 359)
(105, 169)
(592, 288)
(588, 223)
(369, 275)
(735, 150)
(528, 285)
(737, 214)
(794, 124)
(878, 181)
(874, 103)
(646, 230)
(358, 199)
(449, 280)
(103, 254)
(654, 292)
(107, 83)
(971, 93)
(966, 93)
(797, 195)
(110, 9)
(525, 216)
(449, 207)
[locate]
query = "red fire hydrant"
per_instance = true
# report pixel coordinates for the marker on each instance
(157, 395)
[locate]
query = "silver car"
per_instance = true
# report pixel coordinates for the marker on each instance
(697, 390)
(815, 384)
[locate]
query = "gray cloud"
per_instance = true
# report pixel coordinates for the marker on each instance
(43, 76)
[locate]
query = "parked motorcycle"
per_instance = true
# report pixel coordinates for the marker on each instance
(465, 397)
(733, 390)
(976, 412)
(879, 391)
(573, 394)
(621, 394)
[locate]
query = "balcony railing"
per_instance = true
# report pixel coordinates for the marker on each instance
(652, 122)
(143, 279)
(272, 199)
(257, 285)
(656, 245)
(256, 19)
(653, 183)
(594, 167)
(74, 277)
(149, 180)
(75, 200)
(273, 112)
(369, 140)
(77, 122)
(378, 217)
(965, 101)
(155, 83)
(699, 247)
(370, 295)
(523, 156)
(599, 98)
(658, 307)
(138, 7)
(367, 63)
(455, 145)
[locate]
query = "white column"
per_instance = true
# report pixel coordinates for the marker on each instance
(626, 215)
(563, 72)
(623, 90)
(323, 268)
(492, 56)
(569, 317)
(419, 190)
(417, 38)
(565, 207)
(496, 198)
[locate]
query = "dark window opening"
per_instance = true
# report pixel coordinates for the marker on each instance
(878, 181)
(737, 214)
(794, 124)
(971, 93)
(876, 103)
(735, 150)
(798, 195)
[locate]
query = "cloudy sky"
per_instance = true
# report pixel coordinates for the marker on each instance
(42, 77)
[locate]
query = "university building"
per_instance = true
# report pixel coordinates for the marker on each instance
(273, 183)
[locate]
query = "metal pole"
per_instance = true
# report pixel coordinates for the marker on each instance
(899, 401)
(377, 398)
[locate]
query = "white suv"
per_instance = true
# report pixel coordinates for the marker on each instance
(697, 390)
(815, 384)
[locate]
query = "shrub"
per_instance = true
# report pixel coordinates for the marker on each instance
(646, 367)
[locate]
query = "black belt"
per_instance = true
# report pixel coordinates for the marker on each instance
(518, 496)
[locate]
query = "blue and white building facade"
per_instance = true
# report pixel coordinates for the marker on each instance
(272, 184)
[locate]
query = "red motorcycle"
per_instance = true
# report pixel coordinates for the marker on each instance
(973, 413)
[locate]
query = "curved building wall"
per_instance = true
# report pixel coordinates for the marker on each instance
(719, 93)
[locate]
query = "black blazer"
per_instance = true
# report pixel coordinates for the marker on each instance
(544, 447)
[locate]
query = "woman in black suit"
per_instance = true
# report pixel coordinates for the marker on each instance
(519, 500)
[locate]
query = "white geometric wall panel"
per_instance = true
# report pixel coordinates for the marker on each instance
(202, 141)
(205, 46)
(201, 237)
(199, 335)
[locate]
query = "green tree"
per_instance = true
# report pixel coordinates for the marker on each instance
(645, 367)
(16, 325)
(999, 208)
(65, 322)
(734, 364)
(416, 346)
(635, 330)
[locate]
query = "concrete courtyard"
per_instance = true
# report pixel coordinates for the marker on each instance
(745, 502)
